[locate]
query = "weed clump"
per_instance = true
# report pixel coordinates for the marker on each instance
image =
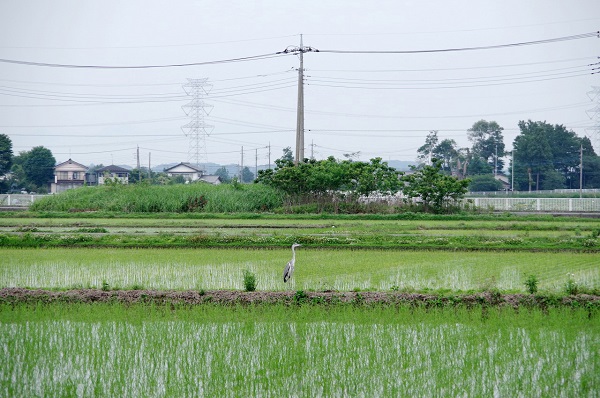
(571, 287)
(532, 284)
(249, 281)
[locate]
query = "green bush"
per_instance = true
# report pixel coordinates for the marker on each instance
(249, 281)
(532, 284)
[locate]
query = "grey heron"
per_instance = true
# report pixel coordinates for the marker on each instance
(289, 268)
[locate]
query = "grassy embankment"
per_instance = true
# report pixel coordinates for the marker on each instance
(141, 198)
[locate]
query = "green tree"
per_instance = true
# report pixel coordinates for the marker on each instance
(435, 189)
(331, 179)
(6, 154)
(591, 166)
(375, 176)
(532, 155)
(488, 142)
(287, 155)
(223, 174)
(425, 152)
(447, 152)
(247, 175)
(483, 183)
(548, 156)
(39, 167)
(479, 166)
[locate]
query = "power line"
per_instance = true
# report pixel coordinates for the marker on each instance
(441, 50)
(154, 46)
(223, 61)
(420, 70)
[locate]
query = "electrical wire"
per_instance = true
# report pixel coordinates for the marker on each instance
(223, 61)
(484, 84)
(442, 50)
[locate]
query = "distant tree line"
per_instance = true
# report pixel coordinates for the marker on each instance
(544, 157)
(29, 171)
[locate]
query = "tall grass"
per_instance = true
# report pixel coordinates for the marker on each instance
(342, 270)
(114, 350)
(135, 198)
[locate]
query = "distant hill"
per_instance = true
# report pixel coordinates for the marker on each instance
(401, 165)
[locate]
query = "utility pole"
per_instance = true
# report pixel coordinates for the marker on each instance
(269, 155)
(149, 165)
(242, 167)
(255, 162)
(580, 171)
(496, 161)
(300, 109)
(138, 164)
(512, 182)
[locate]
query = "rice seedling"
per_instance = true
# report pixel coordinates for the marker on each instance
(115, 350)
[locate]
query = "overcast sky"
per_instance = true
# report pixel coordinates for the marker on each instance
(380, 105)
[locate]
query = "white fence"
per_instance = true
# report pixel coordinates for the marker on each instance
(18, 200)
(537, 204)
(493, 203)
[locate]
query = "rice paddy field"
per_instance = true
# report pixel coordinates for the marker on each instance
(316, 269)
(308, 351)
(299, 350)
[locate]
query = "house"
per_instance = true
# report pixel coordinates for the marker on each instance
(192, 173)
(68, 175)
(113, 172)
(504, 181)
(211, 179)
(188, 171)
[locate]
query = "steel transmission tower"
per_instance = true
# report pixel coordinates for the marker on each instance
(196, 109)
(594, 114)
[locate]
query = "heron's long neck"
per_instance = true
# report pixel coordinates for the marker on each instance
(293, 253)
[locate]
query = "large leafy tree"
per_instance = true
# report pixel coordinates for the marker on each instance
(532, 155)
(223, 173)
(425, 152)
(488, 142)
(479, 166)
(287, 154)
(247, 175)
(448, 153)
(591, 165)
(434, 189)
(454, 159)
(39, 167)
(484, 182)
(6, 154)
(547, 156)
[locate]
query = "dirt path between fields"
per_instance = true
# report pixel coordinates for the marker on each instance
(232, 297)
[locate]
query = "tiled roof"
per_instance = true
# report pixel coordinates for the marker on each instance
(112, 169)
